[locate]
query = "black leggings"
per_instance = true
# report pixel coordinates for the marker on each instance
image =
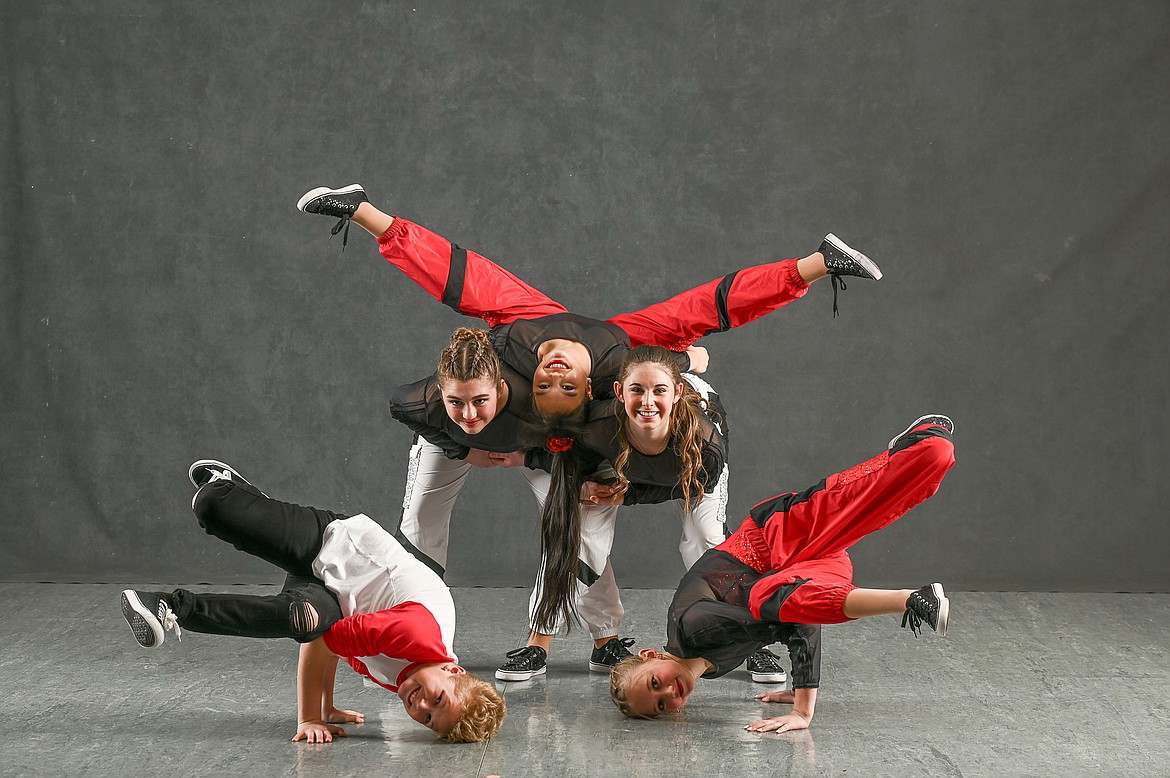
(289, 536)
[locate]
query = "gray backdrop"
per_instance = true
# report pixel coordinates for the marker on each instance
(162, 300)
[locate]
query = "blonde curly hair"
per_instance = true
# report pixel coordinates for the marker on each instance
(483, 711)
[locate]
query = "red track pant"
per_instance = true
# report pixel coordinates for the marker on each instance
(801, 538)
(476, 286)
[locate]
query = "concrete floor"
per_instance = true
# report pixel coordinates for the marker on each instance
(1024, 684)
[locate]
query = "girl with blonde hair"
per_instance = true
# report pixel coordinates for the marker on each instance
(785, 572)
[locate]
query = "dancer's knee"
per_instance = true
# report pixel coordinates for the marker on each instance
(303, 620)
(934, 453)
(208, 502)
(941, 452)
(306, 623)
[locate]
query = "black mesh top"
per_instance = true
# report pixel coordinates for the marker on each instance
(709, 618)
(420, 407)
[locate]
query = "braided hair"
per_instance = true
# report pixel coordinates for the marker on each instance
(469, 355)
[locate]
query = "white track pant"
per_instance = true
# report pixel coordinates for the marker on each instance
(703, 527)
(433, 483)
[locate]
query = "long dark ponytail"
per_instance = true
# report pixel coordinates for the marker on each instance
(560, 516)
(560, 537)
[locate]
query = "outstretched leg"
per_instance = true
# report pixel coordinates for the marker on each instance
(460, 279)
(927, 604)
(303, 611)
(742, 296)
(283, 534)
(831, 516)
(800, 539)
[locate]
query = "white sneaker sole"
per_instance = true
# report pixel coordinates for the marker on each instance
(141, 620)
(867, 263)
(524, 675)
(600, 667)
(768, 677)
(313, 194)
(944, 609)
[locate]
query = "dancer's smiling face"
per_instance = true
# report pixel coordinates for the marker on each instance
(472, 404)
(648, 395)
(429, 697)
(659, 685)
(560, 383)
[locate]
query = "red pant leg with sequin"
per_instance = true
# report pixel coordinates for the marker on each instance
(463, 280)
(802, 537)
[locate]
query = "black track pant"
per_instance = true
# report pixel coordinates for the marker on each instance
(288, 536)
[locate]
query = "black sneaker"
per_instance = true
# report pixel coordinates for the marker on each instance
(928, 604)
(934, 419)
(204, 471)
(765, 667)
(844, 261)
(149, 615)
(523, 663)
(604, 659)
(339, 203)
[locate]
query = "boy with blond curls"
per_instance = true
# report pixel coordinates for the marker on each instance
(351, 592)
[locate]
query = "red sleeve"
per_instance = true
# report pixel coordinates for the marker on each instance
(407, 631)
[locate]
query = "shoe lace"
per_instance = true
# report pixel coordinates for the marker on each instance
(170, 621)
(767, 661)
(836, 279)
(618, 647)
(343, 222)
(219, 475)
(918, 610)
(523, 654)
(912, 620)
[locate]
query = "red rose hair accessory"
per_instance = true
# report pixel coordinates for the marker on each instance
(557, 445)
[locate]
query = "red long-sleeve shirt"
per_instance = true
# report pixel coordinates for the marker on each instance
(384, 646)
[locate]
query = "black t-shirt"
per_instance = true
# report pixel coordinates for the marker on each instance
(654, 478)
(608, 345)
(420, 405)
